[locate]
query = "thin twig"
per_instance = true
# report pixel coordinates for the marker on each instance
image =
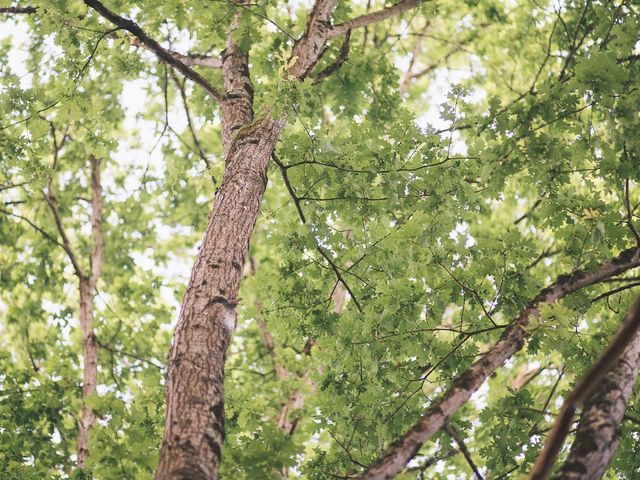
(290, 189)
(336, 270)
(455, 436)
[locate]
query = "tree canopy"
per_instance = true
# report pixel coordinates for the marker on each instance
(430, 210)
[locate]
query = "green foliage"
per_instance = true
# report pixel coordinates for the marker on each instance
(442, 225)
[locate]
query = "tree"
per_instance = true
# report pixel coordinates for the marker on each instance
(388, 272)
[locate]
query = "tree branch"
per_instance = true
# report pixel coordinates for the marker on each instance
(616, 290)
(196, 140)
(374, 17)
(190, 60)
(626, 334)
(117, 351)
(41, 231)
(309, 47)
(291, 190)
(21, 10)
(155, 47)
(336, 270)
(455, 436)
(465, 384)
(52, 202)
(337, 63)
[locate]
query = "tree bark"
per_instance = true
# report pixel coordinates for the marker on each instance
(512, 340)
(90, 372)
(194, 427)
(86, 287)
(598, 430)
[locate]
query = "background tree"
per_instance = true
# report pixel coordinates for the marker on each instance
(499, 227)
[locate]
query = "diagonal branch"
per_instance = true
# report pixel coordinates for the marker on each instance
(455, 436)
(41, 231)
(290, 189)
(598, 432)
(309, 47)
(162, 53)
(190, 60)
(190, 124)
(23, 10)
(52, 202)
(336, 270)
(465, 384)
(337, 63)
(374, 17)
(626, 334)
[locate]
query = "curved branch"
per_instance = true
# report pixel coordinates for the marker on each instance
(374, 17)
(465, 384)
(626, 342)
(162, 53)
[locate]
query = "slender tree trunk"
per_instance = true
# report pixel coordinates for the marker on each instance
(86, 286)
(598, 430)
(90, 373)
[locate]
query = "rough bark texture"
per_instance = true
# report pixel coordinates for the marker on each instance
(237, 106)
(194, 427)
(598, 435)
(308, 49)
(374, 17)
(512, 340)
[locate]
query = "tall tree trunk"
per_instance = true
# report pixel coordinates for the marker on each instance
(195, 382)
(86, 287)
(598, 430)
(194, 425)
(90, 372)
